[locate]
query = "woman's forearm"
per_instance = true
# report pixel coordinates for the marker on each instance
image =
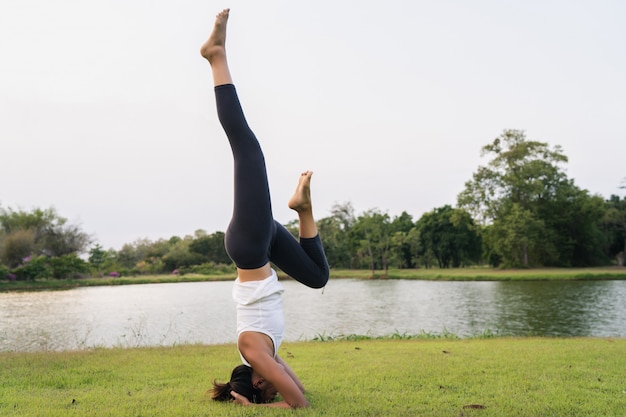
(290, 372)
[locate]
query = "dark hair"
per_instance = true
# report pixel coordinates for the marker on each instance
(241, 383)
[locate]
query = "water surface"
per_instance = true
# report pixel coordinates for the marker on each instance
(203, 312)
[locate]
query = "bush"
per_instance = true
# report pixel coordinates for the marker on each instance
(4, 272)
(67, 266)
(181, 259)
(209, 268)
(33, 268)
(16, 246)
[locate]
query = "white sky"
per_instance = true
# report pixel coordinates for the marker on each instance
(107, 112)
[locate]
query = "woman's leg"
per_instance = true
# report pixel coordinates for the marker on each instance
(252, 227)
(253, 238)
(304, 261)
(214, 50)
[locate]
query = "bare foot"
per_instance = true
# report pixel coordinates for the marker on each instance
(301, 199)
(215, 46)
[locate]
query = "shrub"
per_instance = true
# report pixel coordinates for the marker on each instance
(181, 259)
(34, 268)
(67, 266)
(4, 272)
(209, 268)
(16, 246)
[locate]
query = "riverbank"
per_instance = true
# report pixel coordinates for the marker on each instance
(433, 274)
(476, 377)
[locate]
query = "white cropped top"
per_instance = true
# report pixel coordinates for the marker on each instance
(260, 309)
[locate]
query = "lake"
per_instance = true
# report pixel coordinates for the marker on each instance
(203, 312)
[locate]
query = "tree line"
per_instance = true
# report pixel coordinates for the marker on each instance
(518, 210)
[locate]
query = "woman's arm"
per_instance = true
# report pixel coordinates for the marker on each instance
(241, 400)
(253, 346)
(290, 372)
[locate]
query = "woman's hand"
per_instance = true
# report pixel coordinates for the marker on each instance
(239, 399)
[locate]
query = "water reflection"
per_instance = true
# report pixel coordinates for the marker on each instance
(579, 308)
(167, 314)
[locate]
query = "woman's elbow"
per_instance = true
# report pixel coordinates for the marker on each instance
(300, 404)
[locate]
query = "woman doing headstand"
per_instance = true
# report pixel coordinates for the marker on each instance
(253, 239)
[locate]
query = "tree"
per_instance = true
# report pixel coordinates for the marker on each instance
(15, 246)
(144, 255)
(521, 172)
(37, 219)
(574, 223)
(614, 227)
(335, 231)
(65, 239)
(516, 235)
(67, 266)
(401, 250)
(98, 257)
(211, 247)
(179, 256)
(418, 255)
(450, 235)
(53, 236)
(373, 232)
(534, 213)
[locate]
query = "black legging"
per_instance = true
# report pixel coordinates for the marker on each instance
(253, 236)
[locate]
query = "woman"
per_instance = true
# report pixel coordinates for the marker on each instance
(253, 239)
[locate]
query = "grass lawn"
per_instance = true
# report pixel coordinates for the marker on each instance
(475, 377)
(490, 274)
(458, 274)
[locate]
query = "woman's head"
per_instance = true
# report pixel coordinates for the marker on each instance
(241, 383)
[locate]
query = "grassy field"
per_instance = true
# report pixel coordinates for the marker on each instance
(490, 274)
(459, 274)
(477, 377)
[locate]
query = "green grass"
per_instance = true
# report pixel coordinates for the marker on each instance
(408, 377)
(433, 274)
(63, 284)
(493, 274)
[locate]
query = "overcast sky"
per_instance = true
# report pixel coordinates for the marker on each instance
(107, 112)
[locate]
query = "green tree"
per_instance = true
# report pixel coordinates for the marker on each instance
(401, 250)
(450, 236)
(335, 231)
(37, 219)
(179, 256)
(98, 258)
(520, 172)
(211, 247)
(144, 255)
(128, 256)
(418, 255)
(32, 268)
(53, 236)
(614, 227)
(4, 272)
(373, 233)
(574, 221)
(67, 266)
(517, 235)
(534, 213)
(16, 245)
(65, 239)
